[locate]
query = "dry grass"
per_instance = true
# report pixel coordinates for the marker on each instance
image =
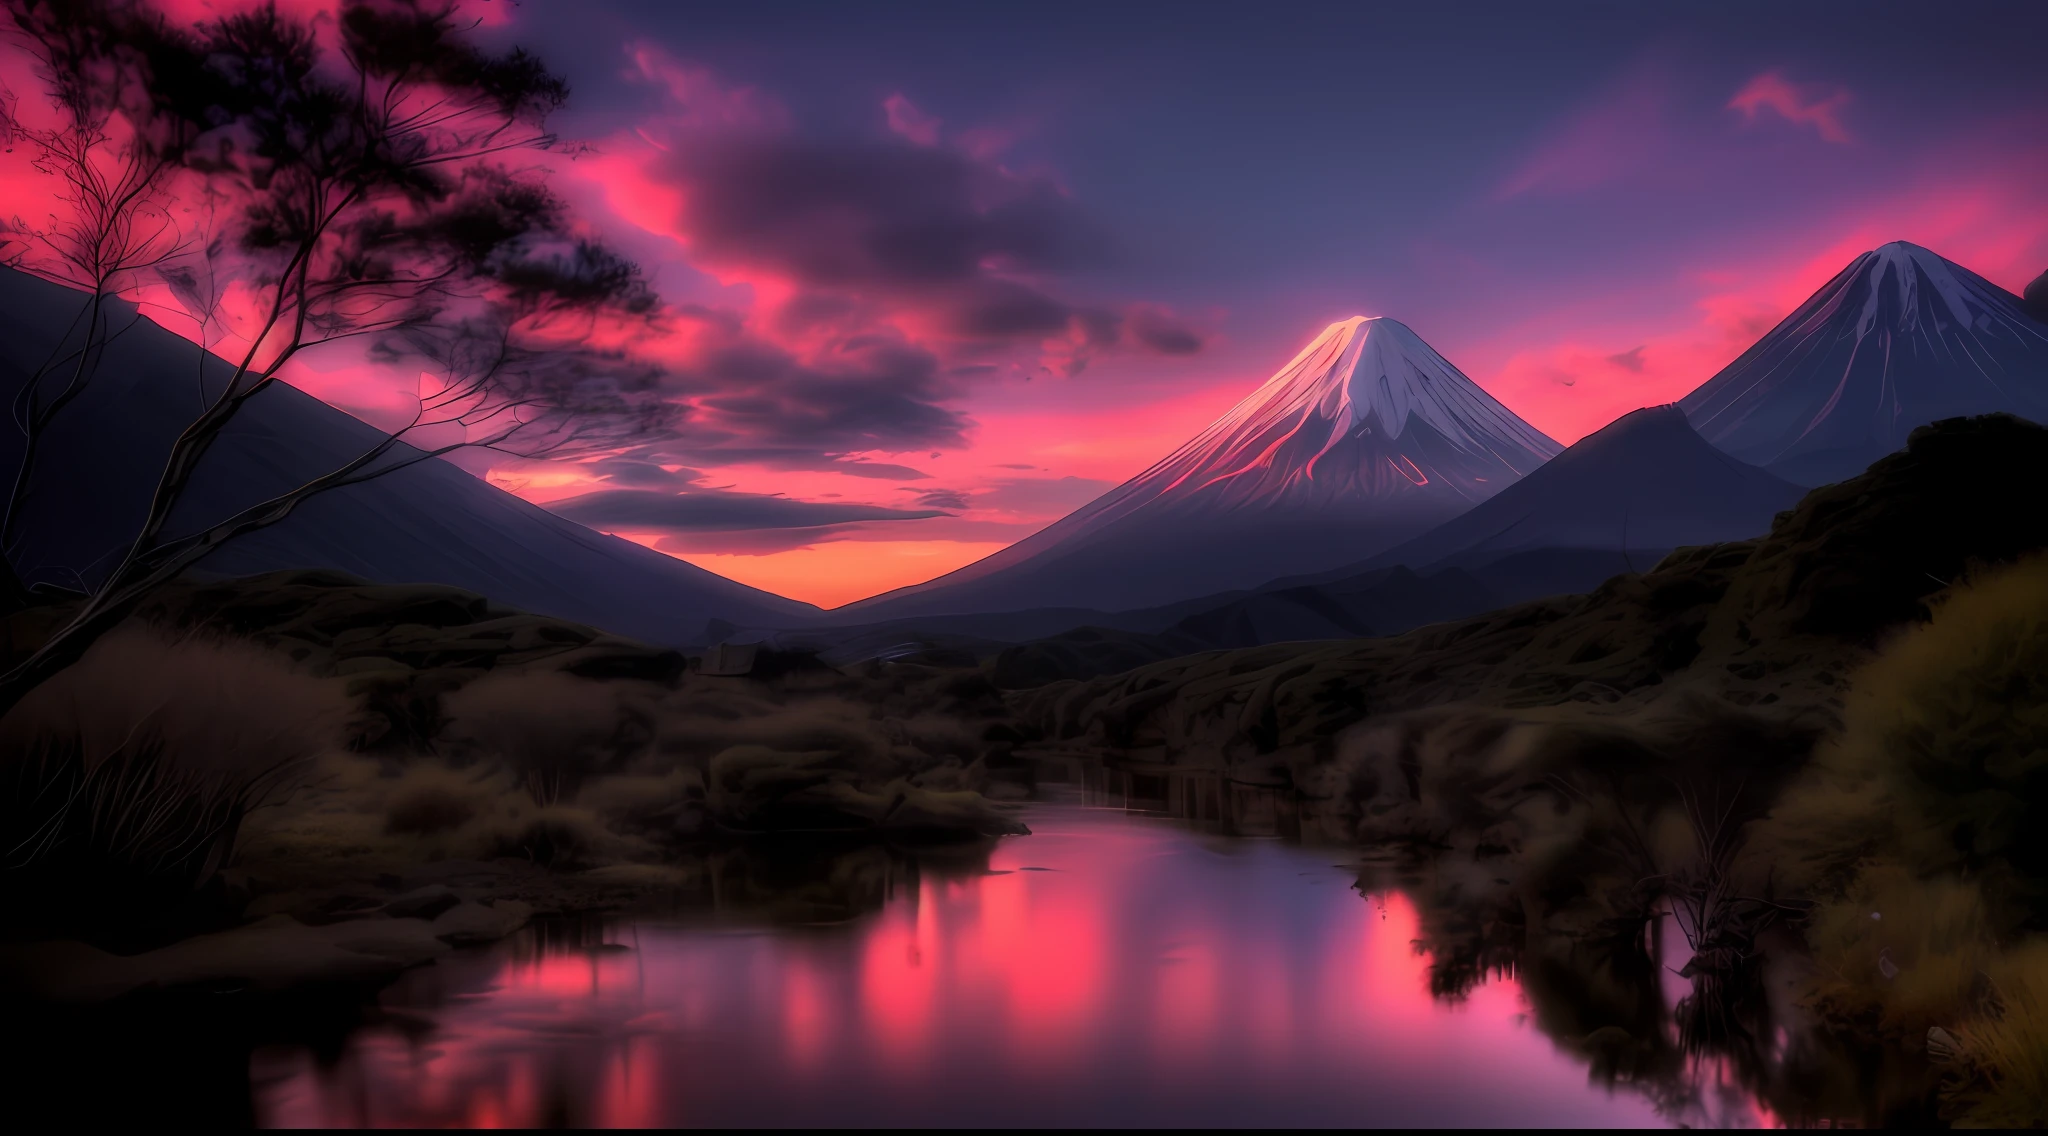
(1923, 827)
(1942, 759)
(218, 705)
(2010, 1044)
(1935, 934)
(128, 777)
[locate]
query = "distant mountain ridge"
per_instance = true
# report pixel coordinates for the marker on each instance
(1641, 486)
(430, 523)
(1366, 437)
(1899, 338)
(1930, 335)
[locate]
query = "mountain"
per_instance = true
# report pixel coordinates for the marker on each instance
(430, 523)
(1898, 339)
(1616, 501)
(2036, 297)
(1366, 438)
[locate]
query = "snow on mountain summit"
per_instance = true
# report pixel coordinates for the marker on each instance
(1899, 338)
(1367, 408)
(1365, 438)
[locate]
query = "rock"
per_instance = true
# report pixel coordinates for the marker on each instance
(692, 821)
(958, 814)
(371, 664)
(423, 903)
(460, 873)
(337, 908)
(474, 924)
(620, 659)
(1942, 1046)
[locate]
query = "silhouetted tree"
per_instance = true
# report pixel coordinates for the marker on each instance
(112, 219)
(359, 173)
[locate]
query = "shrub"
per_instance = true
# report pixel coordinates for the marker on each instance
(1953, 717)
(1942, 757)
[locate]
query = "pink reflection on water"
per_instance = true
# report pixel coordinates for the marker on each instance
(1146, 975)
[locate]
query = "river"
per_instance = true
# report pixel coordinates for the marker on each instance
(1116, 967)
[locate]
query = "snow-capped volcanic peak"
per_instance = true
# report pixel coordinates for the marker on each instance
(1366, 438)
(1899, 338)
(1918, 285)
(1372, 368)
(1367, 407)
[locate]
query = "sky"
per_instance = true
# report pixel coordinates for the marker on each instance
(933, 275)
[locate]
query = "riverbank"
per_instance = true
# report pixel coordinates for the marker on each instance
(300, 776)
(1776, 740)
(1815, 756)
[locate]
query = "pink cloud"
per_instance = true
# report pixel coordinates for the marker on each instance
(1803, 104)
(697, 100)
(820, 244)
(905, 119)
(1574, 366)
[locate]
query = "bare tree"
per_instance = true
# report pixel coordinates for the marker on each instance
(368, 198)
(112, 217)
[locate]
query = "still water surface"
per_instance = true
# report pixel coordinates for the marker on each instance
(1111, 968)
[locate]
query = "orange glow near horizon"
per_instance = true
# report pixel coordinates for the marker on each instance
(830, 575)
(1016, 415)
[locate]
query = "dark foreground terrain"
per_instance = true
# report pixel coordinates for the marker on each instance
(1823, 754)
(1824, 751)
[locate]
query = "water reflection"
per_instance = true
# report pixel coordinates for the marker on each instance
(1725, 1046)
(1112, 969)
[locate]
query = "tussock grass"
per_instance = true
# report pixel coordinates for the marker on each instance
(1922, 828)
(217, 704)
(1936, 934)
(1942, 758)
(2009, 1045)
(125, 781)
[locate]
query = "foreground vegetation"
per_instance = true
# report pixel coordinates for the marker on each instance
(310, 748)
(1810, 764)
(1820, 752)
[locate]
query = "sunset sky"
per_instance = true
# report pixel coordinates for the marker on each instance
(936, 274)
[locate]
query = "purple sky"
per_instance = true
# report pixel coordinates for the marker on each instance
(938, 273)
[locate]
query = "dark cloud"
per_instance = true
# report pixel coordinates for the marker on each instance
(1014, 465)
(635, 472)
(880, 471)
(901, 274)
(1629, 360)
(811, 461)
(1002, 309)
(1158, 331)
(754, 542)
(860, 214)
(713, 510)
(810, 310)
(940, 498)
(872, 392)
